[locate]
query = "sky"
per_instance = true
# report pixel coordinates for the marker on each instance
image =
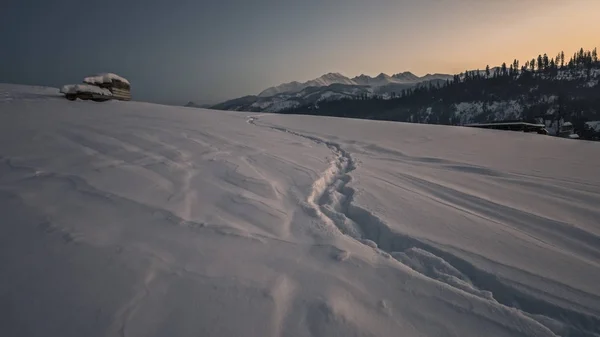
(209, 51)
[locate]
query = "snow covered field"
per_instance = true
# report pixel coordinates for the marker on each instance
(135, 219)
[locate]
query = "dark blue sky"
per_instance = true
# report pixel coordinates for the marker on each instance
(175, 51)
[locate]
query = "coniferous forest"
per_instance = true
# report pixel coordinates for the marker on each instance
(553, 90)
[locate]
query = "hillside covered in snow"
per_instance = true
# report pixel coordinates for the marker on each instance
(553, 91)
(136, 219)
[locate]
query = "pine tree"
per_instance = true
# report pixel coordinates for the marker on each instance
(540, 63)
(532, 64)
(546, 61)
(487, 71)
(503, 69)
(562, 59)
(595, 55)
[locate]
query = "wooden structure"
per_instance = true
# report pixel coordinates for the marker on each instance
(117, 85)
(102, 87)
(86, 92)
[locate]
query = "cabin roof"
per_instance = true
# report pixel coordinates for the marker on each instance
(104, 78)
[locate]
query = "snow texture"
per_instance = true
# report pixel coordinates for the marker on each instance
(84, 88)
(502, 110)
(135, 219)
(104, 78)
(282, 105)
(576, 74)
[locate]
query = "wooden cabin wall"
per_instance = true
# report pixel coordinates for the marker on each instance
(122, 94)
(120, 90)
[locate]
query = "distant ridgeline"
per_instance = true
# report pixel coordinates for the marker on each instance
(546, 90)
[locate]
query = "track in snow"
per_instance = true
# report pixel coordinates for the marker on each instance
(331, 200)
(163, 220)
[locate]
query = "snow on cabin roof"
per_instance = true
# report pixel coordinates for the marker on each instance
(84, 88)
(104, 78)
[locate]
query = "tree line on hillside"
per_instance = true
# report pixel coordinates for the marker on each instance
(553, 89)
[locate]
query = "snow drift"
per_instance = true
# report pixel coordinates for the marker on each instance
(84, 88)
(135, 219)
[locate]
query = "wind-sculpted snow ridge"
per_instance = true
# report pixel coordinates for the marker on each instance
(332, 199)
(136, 219)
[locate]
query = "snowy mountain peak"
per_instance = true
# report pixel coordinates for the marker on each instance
(293, 87)
(333, 76)
(362, 79)
(406, 76)
(379, 80)
(328, 79)
(436, 76)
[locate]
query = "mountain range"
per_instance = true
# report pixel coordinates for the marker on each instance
(564, 98)
(331, 86)
(563, 95)
(337, 78)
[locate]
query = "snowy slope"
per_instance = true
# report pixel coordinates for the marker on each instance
(292, 87)
(329, 79)
(280, 102)
(135, 219)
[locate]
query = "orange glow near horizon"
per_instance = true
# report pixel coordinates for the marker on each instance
(452, 39)
(563, 29)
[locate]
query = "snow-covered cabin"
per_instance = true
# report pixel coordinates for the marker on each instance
(101, 87)
(566, 130)
(118, 86)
